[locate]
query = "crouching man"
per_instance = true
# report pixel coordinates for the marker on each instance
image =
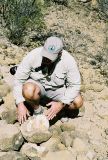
(48, 71)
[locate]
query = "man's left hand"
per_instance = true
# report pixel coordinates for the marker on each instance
(55, 108)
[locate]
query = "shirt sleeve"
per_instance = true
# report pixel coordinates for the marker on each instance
(21, 76)
(73, 82)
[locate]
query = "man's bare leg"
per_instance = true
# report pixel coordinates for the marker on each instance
(31, 93)
(72, 110)
(77, 103)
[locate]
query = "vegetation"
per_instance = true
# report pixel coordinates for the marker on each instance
(18, 16)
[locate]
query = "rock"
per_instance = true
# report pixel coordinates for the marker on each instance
(67, 127)
(1, 101)
(12, 155)
(52, 144)
(95, 87)
(10, 137)
(9, 101)
(84, 1)
(80, 145)
(82, 134)
(61, 147)
(9, 115)
(33, 151)
(64, 155)
(106, 131)
(103, 94)
(103, 113)
(90, 155)
(82, 157)
(4, 90)
(67, 138)
(94, 4)
(35, 133)
(55, 130)
(3, 122)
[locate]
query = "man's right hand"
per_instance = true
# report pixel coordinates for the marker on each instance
(22, 113)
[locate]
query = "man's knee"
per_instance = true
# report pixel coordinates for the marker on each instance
(77, 103)
(31, 91)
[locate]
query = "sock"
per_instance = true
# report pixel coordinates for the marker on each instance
(36, 111)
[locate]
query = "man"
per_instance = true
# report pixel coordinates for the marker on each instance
(51, 72)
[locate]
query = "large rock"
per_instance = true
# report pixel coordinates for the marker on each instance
(53, 144)
(80, 145)
(102, 109)
(82, 157)
(35, 131)
(9, 115)
(4, 90)
(67, 138)
(64, 155)
(95, 87)
(10, 137)
(33, 151)
(67, 126)
(9, 101)
(55, 130)
(103, 94)
(12, 155)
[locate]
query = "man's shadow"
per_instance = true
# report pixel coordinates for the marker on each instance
(64, 113)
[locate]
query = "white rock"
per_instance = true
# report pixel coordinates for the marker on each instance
(38, 122)
(31, 150)
(80, 145)
(12, 155)
(9, 137)
(90, 155)
(64, 155)
(52, 144)
(35, 129)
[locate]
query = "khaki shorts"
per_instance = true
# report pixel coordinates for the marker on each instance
(52, 94)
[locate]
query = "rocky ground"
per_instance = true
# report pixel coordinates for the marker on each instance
(85, 137)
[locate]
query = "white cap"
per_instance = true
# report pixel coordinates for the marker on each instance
(52, 47)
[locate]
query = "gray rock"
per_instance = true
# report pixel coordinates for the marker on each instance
(53, 144)
(55, 130)
(90, 155)
(4, 90)
(106, 131)
(10, 137)
(67, 127)
(12, 155)
(67, 138)
(64, 155)
(33, 134)
(82, 157)
(8, 114)
(33, 151)
(80, 145)
(103, 113)
(3, 122)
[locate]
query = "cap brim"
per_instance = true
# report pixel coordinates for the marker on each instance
(51, 56)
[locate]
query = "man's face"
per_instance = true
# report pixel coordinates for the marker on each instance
(46, 61)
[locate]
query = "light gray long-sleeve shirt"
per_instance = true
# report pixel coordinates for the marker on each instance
(65, 73)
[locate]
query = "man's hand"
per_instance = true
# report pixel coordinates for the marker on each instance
(22, 112)
(56, 107)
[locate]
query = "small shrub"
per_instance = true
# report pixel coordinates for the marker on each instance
(20, 15)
